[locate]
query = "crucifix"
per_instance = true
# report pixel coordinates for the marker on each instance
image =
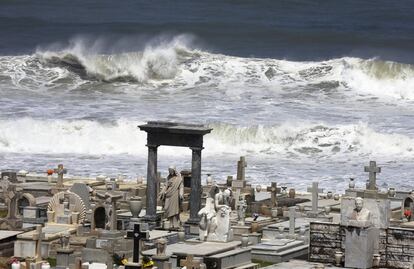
(137, 234)
(372, 169)
(60, 172)
(111, 199)
(241, 171)
(273, 189)
(190, 263)
(38, 236)
(315, 196)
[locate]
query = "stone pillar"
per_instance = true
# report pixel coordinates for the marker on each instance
(195, 194)
(292, 212)
(315, 197)
(151, 210)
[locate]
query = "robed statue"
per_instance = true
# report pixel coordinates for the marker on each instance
(171, 196)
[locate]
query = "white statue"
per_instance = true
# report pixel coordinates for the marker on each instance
(360, 216)
(172, 195)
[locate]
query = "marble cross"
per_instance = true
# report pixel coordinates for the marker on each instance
(137, 234)
(273, 192)
(190, 263)
(241, 171)
(60, 171)
(38, 236)
(372, 169)
(315, 196)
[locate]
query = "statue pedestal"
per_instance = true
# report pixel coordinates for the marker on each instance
(359, 246)
(63, 258)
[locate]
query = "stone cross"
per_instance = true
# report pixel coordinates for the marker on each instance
(38, 236)
(111, 199)
(315, 190)
(241, 171)
(137, 234)
(60, 172)
(292, 212)
(273, 192)
(372, 169)
(190, 263)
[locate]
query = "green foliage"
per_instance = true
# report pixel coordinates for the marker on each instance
(51, 261)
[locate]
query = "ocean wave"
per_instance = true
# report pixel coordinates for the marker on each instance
(27, 135)
(175, 63)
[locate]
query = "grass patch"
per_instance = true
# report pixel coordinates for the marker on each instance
(262, 263)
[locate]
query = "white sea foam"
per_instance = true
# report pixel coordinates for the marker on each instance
(175, 63)
(123, 137)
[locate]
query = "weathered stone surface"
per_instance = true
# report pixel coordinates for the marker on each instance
(359, 246)
(379, 208)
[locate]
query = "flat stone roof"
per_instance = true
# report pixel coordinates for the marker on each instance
(6, 234)
(175, 127)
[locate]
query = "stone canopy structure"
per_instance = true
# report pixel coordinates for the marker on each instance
(181, 135)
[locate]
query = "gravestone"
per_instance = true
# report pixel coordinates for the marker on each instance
(137, 234)
(372, 169)
(83, 191)
(111, 200)
(273, 193)
(315, 199)
(9, 175)
(60, 172)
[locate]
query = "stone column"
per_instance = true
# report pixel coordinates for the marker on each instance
(151, 210)
(315, 197)
(195, 194)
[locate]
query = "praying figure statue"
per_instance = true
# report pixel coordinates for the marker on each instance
(360, 216)
(172, 195)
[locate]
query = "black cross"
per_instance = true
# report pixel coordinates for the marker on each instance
(137, 234)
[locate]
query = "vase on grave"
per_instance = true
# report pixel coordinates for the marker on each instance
(292, 193)
(274, 213)
(258, 188)
(51, 216)
(329, 195)
(351, 183)
(391, 192)
(75, 217)
(135, 205)
(255, 226)
(376, 259)
(336, 197)
(338, 258)
(245, 240)
(181, 236)
(327, 210)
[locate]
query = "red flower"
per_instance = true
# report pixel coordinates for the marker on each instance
(407, 213)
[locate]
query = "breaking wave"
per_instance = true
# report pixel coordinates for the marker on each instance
(32, 136)
(177, 64)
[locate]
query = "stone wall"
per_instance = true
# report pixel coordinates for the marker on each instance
(325, 239)
(395, 245)
(399, 248)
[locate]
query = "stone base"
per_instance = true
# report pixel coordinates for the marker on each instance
(281, 250)
(359, 246)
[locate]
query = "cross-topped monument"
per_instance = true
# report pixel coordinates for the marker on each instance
(241, 168)
(60, 172)
(137, 234)
(372, 169)
(315, 197)
(190, 263)
(111, 199)
(273, 192)
(38, 236)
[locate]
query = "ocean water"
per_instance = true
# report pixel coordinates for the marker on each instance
(306, 90)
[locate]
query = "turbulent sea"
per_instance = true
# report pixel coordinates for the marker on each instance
(306, 90)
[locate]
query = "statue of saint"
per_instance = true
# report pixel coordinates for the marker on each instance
(360, 216)
(172, 195)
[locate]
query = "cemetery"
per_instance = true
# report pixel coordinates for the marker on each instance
(183, 219)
